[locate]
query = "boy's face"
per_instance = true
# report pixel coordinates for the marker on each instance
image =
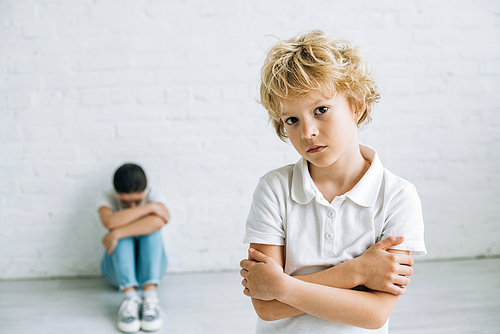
(131, 200)
(323, 130)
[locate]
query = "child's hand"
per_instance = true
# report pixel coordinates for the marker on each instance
(385, 271)
(110, 241)
(263, 278)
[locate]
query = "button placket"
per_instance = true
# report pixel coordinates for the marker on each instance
(329, 231)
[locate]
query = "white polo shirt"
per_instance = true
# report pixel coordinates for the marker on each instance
(288, 210)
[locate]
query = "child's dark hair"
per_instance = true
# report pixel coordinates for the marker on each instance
(130, 178)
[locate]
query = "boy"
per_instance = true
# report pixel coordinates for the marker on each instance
(333, 221)
(134, 257)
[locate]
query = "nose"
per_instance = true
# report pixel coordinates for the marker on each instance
(309, 129)
(132, 205)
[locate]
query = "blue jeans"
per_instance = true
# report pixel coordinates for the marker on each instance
(136, 261)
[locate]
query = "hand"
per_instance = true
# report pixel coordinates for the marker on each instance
(385, 271)
(263, 278)
(110, 241)
(161, 211)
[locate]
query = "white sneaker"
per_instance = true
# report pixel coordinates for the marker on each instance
(152, 315)
(128, 315)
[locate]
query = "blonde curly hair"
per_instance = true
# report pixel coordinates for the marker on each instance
(313, 61)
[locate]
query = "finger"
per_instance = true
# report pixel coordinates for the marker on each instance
(256, 255)
(404, 259)
(405, 270)
(396, 290)
(390, 242)
(401, 290)
(244, 282)
(246, 292)
(245, 264)
(402, 281)
(243, 273)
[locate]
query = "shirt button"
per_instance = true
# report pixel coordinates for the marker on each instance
(329, 235)
(331, 214)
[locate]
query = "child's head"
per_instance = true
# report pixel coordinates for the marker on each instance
(130, 184)
(310, 62)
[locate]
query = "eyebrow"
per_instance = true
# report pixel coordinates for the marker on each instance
(314, 103)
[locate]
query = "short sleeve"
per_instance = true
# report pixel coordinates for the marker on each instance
(110, 200)
(155, 196)
(404, 218)
(264, 223)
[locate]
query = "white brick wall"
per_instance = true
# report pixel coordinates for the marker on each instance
(87, 85)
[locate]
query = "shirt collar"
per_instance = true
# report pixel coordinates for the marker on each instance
(364, 193)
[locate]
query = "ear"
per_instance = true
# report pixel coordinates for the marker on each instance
(359, 112)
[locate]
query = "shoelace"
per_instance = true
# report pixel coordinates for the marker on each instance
(149, 307)
(130, 308)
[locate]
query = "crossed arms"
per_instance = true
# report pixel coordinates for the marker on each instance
(327, 294)
(139, 220)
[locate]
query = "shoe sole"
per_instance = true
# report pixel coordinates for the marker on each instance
(152, 326)
(130, 328)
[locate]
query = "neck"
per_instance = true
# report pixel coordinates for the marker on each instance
(341, 176)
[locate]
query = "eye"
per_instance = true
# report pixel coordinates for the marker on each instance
(320, 110)
(291, 120)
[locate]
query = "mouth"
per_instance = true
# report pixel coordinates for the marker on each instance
(315, 148)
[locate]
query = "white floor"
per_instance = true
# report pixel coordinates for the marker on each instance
(444, 297)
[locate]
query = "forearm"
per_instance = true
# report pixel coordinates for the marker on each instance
(274, 309)
(344, 276)
(126, 216)
(368, 310)
(146, 225)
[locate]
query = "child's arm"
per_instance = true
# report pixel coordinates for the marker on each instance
(146, 225)
(376, 269)
(123, 217)
(265, 280)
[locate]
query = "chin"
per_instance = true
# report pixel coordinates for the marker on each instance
(321, 163)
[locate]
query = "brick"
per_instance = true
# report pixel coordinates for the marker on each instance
(127, 77)
(56, 151)
(40, 65)
(37, 29)
(136, 95)
(7, 186)
(93, 97)
(72, 80)
(155, 60)
(10, 133)
(107, 62)
(17, 82)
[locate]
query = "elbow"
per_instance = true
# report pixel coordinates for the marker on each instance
(376, 320)
(267, 316)
(375, 325)
(160, 222)
(264, 310)
(111, 223)
(108, 224)
(156, 222)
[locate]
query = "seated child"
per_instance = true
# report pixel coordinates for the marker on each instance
(330, 236)
(134, 258)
